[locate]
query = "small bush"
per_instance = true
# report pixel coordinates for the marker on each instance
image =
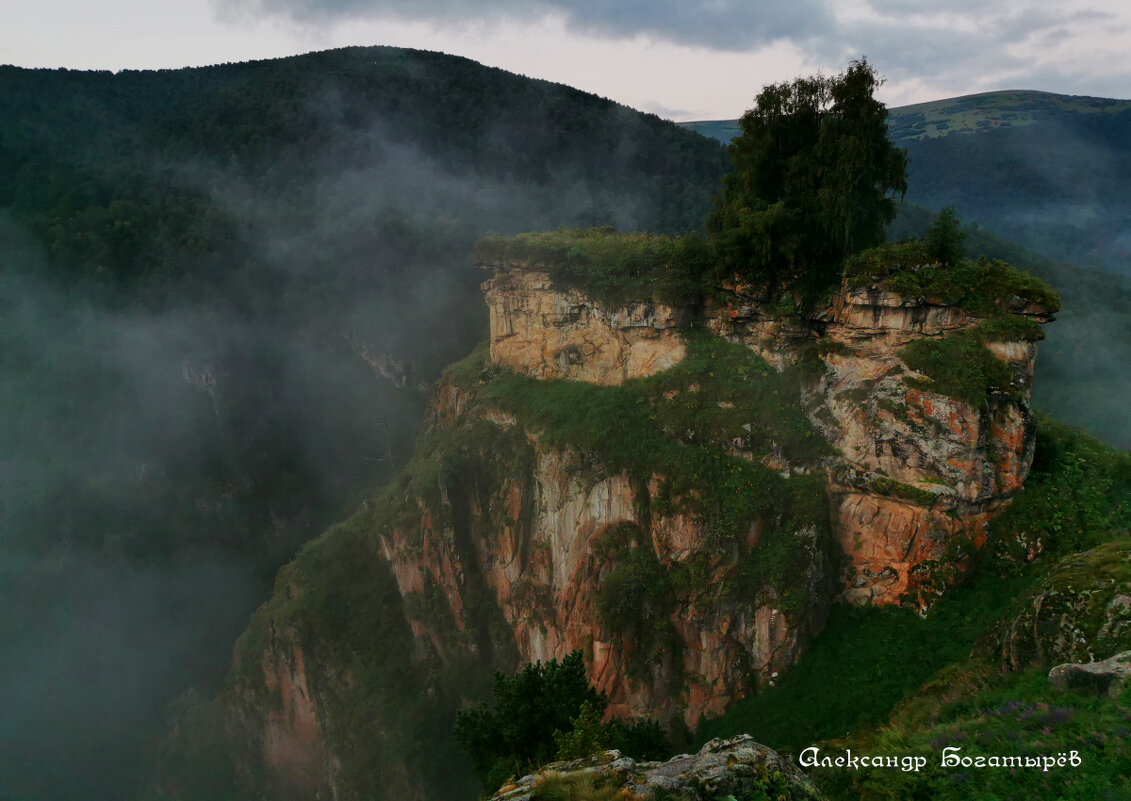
(944, 238)
(574, 787)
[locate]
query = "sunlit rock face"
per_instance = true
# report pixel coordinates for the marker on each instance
(547, 333)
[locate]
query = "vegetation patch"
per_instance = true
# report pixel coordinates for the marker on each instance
(547, 711)
(339, 602)
(889, 664)
(638, 597)
(476, 453)
(468, 371)
(609, 267)
(959, 366)
(993, 715)
(575, 787)
(1011, 328)
(682, 424)
(980, 286)
(1079, 613)
(889, 487)
(1077, 496)
(863, 663)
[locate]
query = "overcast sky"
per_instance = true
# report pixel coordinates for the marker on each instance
(682, 59)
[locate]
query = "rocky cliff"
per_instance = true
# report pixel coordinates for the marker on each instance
(917, 472)
(678, 493)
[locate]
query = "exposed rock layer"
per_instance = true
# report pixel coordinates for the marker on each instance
(544, 332)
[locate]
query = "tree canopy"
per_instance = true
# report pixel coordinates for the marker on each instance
(544, 711)
(814, 181)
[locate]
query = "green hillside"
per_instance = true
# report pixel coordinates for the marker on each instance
(997, 110)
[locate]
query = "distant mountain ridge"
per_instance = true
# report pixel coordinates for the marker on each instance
(1048, 171)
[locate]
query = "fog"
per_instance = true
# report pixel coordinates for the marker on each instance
(161, 458)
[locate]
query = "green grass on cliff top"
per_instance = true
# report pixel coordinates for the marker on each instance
(610, 267)
(616, 268)
(987, 287)
(681, 424)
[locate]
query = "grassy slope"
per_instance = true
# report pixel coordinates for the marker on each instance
(867, 662)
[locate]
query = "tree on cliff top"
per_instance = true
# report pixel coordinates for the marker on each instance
(814, 181)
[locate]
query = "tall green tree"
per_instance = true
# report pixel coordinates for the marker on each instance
(530, 707)
(815, 180)
(945, 237)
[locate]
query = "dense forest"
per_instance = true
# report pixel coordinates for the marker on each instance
(224, 292)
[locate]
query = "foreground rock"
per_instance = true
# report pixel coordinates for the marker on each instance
(739, 767)
(1108, 676)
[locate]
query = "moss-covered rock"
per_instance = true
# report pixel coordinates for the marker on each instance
(739, 768)
(1081, 612)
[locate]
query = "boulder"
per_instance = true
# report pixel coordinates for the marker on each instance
(1107, 676)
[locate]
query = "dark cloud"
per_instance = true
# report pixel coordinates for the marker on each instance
(902, 52)
(719, 24)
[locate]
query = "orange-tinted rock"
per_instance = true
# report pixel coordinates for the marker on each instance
(918, 474)
(545, 332)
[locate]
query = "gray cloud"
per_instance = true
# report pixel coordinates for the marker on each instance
(719, 24)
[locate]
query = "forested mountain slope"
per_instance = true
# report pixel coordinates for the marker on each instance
(222, 292)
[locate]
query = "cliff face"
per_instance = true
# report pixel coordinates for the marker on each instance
(547, 540)
(916, 475)
(548, 333)
(683, 509)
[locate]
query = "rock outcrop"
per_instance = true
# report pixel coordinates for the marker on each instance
(1080, 613)
(544, 332)
(736, 768)
(1108, 676)
(917, 474)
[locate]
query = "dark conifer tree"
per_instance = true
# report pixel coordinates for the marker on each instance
(814, 180)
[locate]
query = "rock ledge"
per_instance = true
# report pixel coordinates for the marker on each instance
(738, 767)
